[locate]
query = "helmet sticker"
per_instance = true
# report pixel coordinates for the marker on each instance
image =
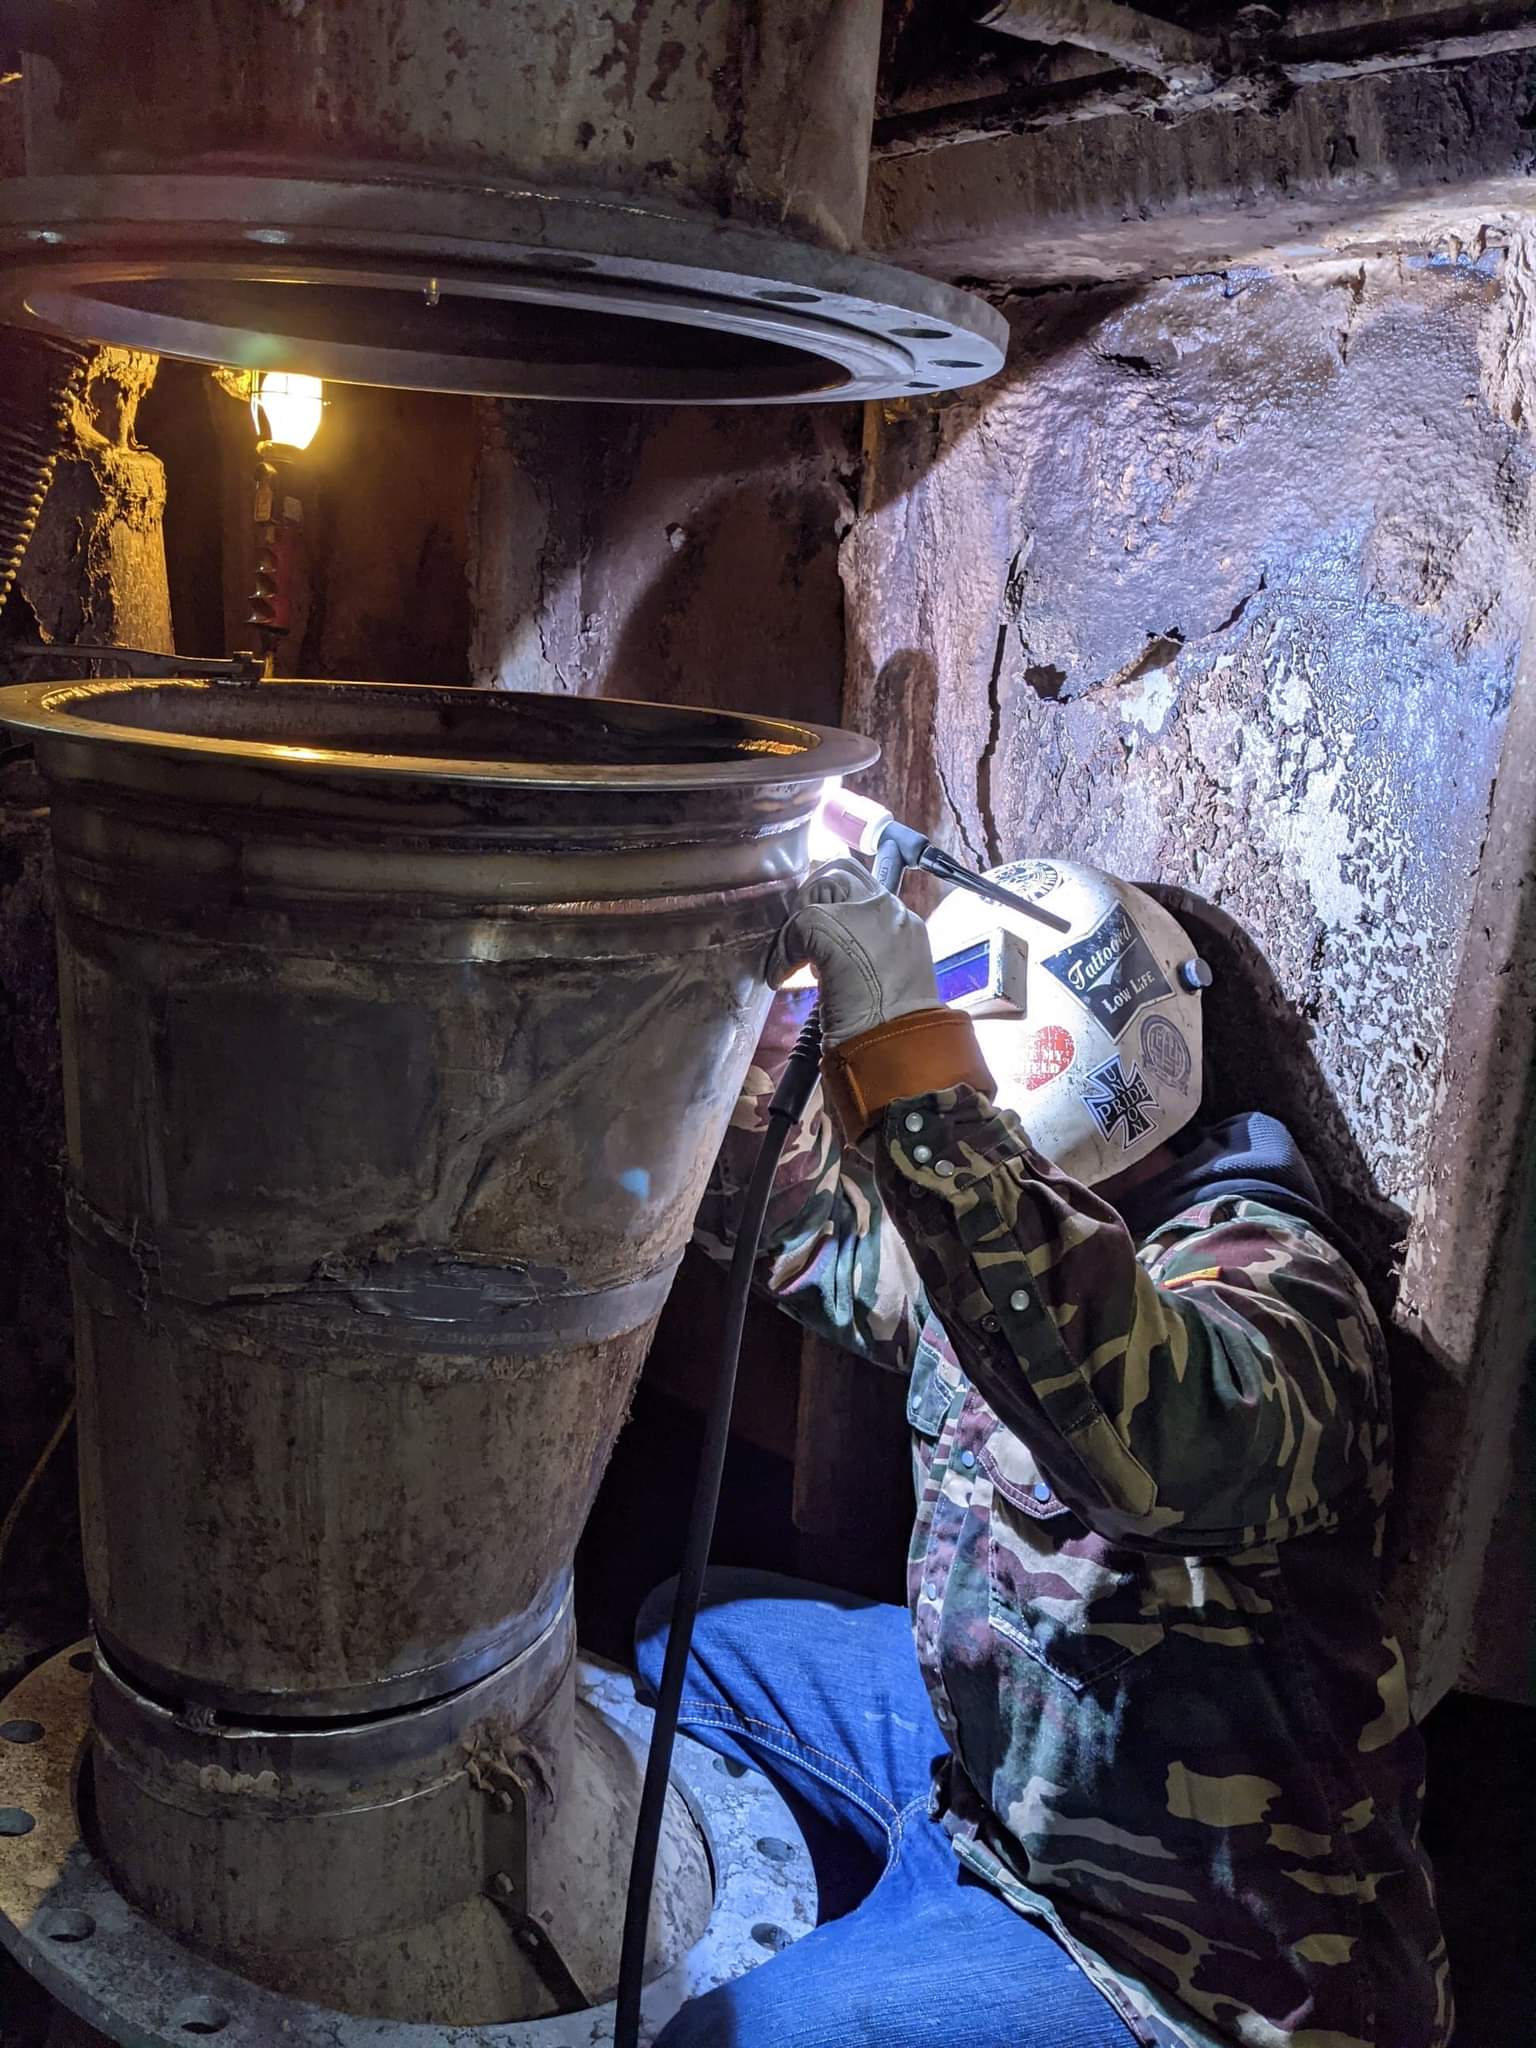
(1111, 972)
(1164, 1049)
(1120, 1101)
(1031, 878)
(1050, 1052)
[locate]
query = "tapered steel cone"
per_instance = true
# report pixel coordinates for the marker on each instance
(401, 1028)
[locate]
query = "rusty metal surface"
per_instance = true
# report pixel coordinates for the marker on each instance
(652, 205)
(76, 1932)
(754, 114)
(460, 1864)
(354, 1862)
(1225, 588)
(373, 1212)
(1126, 35)
(1358, 166)
(1253, 64)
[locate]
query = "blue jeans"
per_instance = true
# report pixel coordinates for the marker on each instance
(822, 1692)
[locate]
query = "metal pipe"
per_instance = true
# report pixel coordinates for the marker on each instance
(427, 1008)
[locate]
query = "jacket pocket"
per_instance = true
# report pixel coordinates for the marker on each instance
(1066, 1598)
(936, 1379)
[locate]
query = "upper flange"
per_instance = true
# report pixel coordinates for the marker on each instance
(426, 283)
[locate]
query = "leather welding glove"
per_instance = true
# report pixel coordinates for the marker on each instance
(869, 953)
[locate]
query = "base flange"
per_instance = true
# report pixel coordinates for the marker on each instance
(71, 1929)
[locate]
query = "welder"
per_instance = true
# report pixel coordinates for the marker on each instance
(1151, 1776)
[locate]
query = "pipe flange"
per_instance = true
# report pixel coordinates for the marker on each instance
(70, 1928)
(506, 291)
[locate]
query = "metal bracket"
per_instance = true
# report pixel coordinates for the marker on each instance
(146, 662)
(507, 1791)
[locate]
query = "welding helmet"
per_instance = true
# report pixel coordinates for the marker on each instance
(1092, 1033)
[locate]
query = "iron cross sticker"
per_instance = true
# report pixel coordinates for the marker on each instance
(1120, 1101)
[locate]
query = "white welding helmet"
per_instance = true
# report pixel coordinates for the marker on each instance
(1092, 1032)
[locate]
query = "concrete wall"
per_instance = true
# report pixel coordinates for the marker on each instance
(689, 556)
(1224, 586)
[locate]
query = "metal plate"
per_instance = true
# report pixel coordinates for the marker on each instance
(69, 1928)
(504, 291)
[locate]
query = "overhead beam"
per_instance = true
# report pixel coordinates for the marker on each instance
(1255, 74)
(1345, 167)
(1139, 42)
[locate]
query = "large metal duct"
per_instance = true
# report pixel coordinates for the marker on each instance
(654, 200)
(401, 1027)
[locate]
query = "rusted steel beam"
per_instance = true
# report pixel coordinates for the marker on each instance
(1269, 71)
(1136, 41)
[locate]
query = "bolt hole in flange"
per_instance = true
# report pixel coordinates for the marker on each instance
(200, 2016)
(112, 1963)
(83, 1660)
(682, 311)
(67, 1926)
(21, 1731)
(15, 1820)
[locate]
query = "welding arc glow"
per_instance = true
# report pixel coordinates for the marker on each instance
(288, 408)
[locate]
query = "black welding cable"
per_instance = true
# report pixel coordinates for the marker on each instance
(784, 1112)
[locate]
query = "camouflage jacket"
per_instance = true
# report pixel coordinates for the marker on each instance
(1143, 1576)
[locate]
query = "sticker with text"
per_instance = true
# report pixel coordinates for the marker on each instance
(1111, 972)
(1051, 1051)
(1120, 1102)
(1029, 878)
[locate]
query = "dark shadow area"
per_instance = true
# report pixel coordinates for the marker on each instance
(1479, 1824)
(1258, 1055)
(179, 420)
(635, 1534)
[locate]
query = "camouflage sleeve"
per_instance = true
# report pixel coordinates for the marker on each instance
(830, 1257)
(1224, 1388)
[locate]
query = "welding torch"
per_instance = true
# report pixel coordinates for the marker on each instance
(863, 826)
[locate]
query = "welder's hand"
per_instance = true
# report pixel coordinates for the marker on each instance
(869, 953)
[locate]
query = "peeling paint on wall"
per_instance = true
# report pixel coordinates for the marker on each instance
(1224, 587)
